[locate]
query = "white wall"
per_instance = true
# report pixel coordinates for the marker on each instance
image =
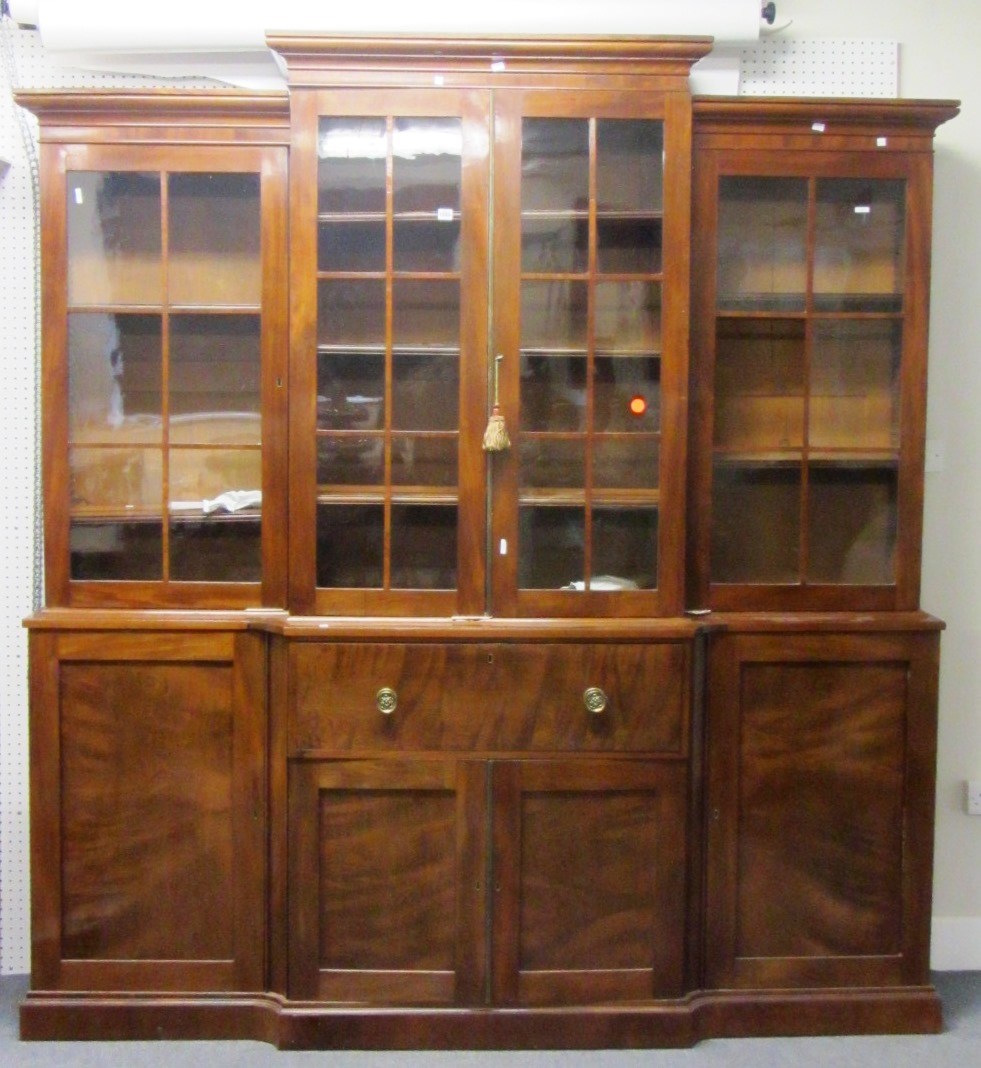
(939, 58)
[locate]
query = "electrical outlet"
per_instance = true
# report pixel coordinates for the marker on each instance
(974, 797)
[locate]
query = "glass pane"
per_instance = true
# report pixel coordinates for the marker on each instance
(116, 552)
(423, 547)
(756, 523)
(625, 463)
(626, 393)
(554, 245)
(855, 384)
(425, 392)
(624, 549)
(350, 391)
(628, 246)
(107, 482)
(114, 238)
(553, 392)
(430, 244)
(550, 464)
(215, 389)
(426, 314)
(628, 316)
(555, 165)
(852, 524)
(351, 245)
(859, 245)
(551, 547)
(350, 540)
(554, 315)
(350, 460)
(115, 378)
(209, 550)
(351, 313)
(215, 237)
(762, 256)
(759, 384)
(629, 165)
(351, 171)
(424, 461)
(215, 482)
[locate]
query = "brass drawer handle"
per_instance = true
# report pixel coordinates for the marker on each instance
(595, 700)
(386, 700)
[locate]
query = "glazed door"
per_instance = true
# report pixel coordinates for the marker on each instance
(389, 245)
(590, 339)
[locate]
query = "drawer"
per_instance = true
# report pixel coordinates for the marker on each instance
(490, 696)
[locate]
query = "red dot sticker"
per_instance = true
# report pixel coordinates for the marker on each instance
(638, 405)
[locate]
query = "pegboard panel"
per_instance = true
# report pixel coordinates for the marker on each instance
(787, 66)
(26, 66)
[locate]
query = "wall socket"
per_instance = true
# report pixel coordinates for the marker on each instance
(974, 797)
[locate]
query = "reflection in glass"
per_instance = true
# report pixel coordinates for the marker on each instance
(351, 245)
(553, 392)
(424, 461)
(431, 244)
(756, 522)
(550, 463)
(215, 481)
(854, 400)
(352, 162)
(215, 391)
(115, 378)
(762, 244)
(859, 244)
(759, 384)
(214, 240)
(426, 313)
(130, 551)
(625, 462)
(629, 164)
(350, 459)
(628, 316)
(554, 245)
(552, 547)
(350, 541)
(205, 550)
(425, 392)
(123, 481)
(624, 548)
(114, 238)
(852, 524)
(351, 312)
(554, 164)
(628, 246)
(554, 315)
(626, 393)
(423, 547)
(350, 391)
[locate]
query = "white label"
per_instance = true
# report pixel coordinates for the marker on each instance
(444, 214)
(438, 80)
(863, 209)
(78, 194)
(504, 547)
(817, 127)
(881, 142)
(497, 65)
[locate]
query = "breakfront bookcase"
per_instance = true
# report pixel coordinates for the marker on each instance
(349, 731)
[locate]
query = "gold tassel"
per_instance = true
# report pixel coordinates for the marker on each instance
(496, 435)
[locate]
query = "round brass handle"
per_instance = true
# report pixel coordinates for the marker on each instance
(595, 700)
(386, 700)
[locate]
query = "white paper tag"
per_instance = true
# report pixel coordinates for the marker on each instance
(444, 214)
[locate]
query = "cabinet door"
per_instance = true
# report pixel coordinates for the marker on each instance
(387, 881)
(590, 327)
(389, 252)
(811, 353)
(147, 811)
(164, 375)
(590, 889)
(820, 796)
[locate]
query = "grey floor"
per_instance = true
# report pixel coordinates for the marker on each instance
(958, 1047)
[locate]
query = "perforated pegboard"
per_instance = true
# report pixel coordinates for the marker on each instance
(829, 66)
(31, 69)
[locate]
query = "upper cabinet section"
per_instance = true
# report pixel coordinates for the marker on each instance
(812, 221)
(481, 226)
(164, 348)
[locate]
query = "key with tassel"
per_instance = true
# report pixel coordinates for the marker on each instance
(496, 435)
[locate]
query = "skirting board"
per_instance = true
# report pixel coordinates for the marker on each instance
(956, 944)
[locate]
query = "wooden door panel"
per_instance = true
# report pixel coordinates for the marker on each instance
(589, 881)
(386, 881)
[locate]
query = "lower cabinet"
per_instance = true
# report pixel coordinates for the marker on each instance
(820, 801)
(148, 810)
(453, 880)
